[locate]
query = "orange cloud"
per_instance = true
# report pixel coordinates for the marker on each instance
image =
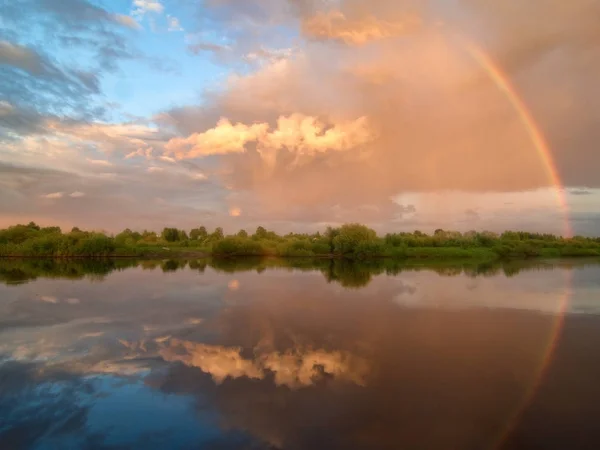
(222, 139)
(299, 134)
(337, 26)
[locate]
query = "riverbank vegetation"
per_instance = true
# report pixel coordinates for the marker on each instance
(350, 241)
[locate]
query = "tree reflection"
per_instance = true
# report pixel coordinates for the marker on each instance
(348, 273)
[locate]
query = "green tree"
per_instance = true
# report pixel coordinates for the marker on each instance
(351, 236)
(149, 236)
(199, 233)
(217, 234)
(261, 233)
(330, 235)
(170, 234)
(242, 234)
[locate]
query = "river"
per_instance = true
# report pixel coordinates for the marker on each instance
(273, 354)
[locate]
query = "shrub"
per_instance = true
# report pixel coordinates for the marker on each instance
(368, 249)
(231, 246)
(350, 236)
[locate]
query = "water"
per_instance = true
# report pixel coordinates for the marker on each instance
(298, 355)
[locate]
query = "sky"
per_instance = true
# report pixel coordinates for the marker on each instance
(298, 114)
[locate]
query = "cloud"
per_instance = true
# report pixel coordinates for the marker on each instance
(128, 21)
(270, 55)
(580, 192)
(100, 162)
(22, 58)
(142, 7)
(54, 195)
(32, 81)
(5, 108)
(224, 138)
(143, 152)
(77, 194)
(335, 25)
(324, 112)
(173, 24)
(301, 135)
(437, 121)
(208, 47)
(198, 176)
(52, 84)
(130, 139)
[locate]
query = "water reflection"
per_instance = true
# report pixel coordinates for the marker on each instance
(297, 354)
(347, 273)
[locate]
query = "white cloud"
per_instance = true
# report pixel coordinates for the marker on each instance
(77, 194)
(198, 176)
(99, 162)
(155, 169)
(142, 7)
(53, 195)
(174, 24)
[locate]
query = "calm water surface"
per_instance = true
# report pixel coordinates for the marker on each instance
(298, 355)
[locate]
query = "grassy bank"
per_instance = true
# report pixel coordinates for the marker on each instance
(352, 241)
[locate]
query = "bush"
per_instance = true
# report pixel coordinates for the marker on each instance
(296, 247)
(368, 249)
(320, 247)
(236, 246)
(350, 236)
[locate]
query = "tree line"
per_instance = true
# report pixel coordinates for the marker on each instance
(352, 241)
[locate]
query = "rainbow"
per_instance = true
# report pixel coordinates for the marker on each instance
(544, 364)
(503, 83)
